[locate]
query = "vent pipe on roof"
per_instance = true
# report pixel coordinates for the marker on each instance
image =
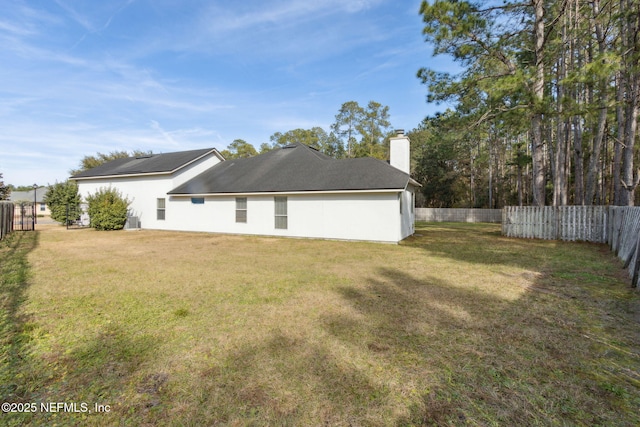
(399, 152)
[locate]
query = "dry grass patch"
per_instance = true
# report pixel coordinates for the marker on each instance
(456, 326)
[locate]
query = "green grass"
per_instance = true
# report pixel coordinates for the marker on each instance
(456, 326)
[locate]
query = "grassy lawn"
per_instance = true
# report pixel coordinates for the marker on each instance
(455, 326)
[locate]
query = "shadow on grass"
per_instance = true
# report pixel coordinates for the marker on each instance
(540, 359)
(286, 380)
(101, 369)
(428, 351)
(403, 348)
(460, 356)
(482, 243)
(14, 337)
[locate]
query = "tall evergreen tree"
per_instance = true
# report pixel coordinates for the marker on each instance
(345, 126)
(564, 68)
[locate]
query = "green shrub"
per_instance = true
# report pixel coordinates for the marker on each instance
(107, 209)
(63, 199)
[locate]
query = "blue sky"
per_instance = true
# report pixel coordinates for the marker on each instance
(81, 77)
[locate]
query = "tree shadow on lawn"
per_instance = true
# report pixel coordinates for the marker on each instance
(400, 349)
(285, 379)
(98, 369)
(479, 359)
(422, 350)
(419, 351)
(103, 369)
(484, 244)
(14, 325)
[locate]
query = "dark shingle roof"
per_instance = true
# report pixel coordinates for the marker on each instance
(155, 163)
(292, 168)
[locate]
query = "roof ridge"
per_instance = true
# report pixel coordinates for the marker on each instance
(316, 152)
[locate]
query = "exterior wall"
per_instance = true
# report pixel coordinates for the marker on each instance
(364, 216)
(42, 209)
(399, 153)
(348, 216)
(408, 219)
(143, 191)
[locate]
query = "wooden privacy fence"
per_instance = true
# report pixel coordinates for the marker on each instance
(624, 238)
(585, 223)
(618, 226)
(458, 215)
(6, 219)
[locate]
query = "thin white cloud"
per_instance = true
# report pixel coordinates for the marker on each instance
(30, 51)
(79, 18)
(17, 30)
(165, 135)
(296, 30)
(23, 21)
(282, 13)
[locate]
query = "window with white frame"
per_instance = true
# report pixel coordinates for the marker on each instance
(241, 209)
(160, 209)
(281, 212)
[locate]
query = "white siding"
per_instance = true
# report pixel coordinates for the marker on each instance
(348, 216)
(355, 216)
(143, 191)
(408, 213)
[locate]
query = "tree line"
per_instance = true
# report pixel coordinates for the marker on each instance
(356, 132)
(545, 109)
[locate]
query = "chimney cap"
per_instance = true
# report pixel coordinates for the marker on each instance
(399, 132)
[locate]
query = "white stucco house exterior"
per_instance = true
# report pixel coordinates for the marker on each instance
(293, 191)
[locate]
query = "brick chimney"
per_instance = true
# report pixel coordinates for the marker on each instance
(399, 152)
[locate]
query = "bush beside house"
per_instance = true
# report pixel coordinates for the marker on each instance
(108, 209)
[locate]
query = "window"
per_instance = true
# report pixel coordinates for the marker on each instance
(160, 209)
(281, 212)
(413, 202)
(197, 200)
(42, 207)
(400, 200)
(241, 209)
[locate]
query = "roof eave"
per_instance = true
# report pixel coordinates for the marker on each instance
(413, 182)
(126, 175)
(267, 193)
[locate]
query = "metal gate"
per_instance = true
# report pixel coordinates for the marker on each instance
(24, 216)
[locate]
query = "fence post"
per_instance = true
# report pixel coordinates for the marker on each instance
(635, 272)
(6, 218)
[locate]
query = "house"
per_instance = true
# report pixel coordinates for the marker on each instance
(146, 179)
(27, 196)
(293, 191)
